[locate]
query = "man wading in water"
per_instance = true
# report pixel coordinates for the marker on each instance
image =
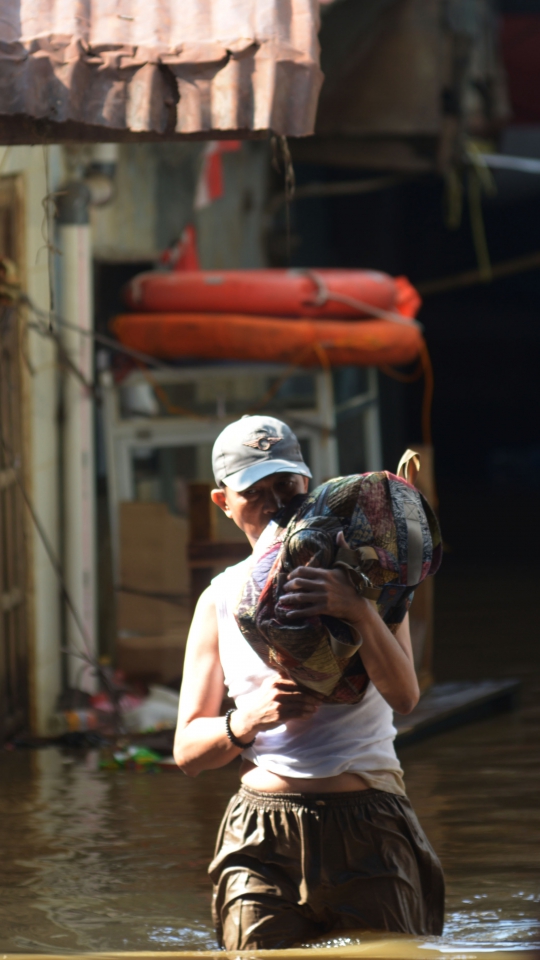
(321, 836)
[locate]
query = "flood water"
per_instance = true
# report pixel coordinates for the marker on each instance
(99, 860)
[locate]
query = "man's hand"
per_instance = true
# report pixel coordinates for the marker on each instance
(312, 591)
(278, 700)
(201, 741)
(388, 659)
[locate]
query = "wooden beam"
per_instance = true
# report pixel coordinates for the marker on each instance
(21, 129)
(470, 278)
(7, 478)
(12, 599)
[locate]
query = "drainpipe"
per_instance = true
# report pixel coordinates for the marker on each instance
(79, 498)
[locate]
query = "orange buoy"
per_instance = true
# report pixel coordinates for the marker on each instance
(223, 336)
(275, 293)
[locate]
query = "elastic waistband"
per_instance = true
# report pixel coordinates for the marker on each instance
(281, 801)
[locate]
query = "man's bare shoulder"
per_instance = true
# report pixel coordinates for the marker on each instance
(203, 633)
(205, 601)
(202, 682)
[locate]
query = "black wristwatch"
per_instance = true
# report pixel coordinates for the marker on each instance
(232, 737)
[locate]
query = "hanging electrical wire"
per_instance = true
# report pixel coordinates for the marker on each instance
(282, 164)
(84, 653)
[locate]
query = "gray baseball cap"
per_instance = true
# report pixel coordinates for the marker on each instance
(253, 448)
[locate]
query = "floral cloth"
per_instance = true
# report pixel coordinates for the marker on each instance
(394, 542)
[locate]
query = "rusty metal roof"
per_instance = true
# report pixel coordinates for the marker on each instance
(155, 67)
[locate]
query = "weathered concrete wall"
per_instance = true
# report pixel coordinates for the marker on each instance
(230, 230)
(125, 228)
(153, 202)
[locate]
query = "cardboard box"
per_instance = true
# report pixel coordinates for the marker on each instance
(151, 659)
(206, 520)
(151, 616)
(153, 549)
(202, 513)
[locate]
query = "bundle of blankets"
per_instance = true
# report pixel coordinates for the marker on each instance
(393, 542)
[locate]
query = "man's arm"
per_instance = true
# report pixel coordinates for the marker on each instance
(201, 741)
(388, 659)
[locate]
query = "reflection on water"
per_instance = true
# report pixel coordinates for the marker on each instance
(116, 860)
(476, 792)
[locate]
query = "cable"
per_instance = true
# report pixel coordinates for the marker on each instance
(280, 146)
(49, 549)
(64, 356)
(45, 317)
(85, 653)
(403, 377)
(323, 295)
(290, 372)
(171, 408)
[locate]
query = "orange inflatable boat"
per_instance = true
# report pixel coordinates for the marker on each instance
(303, 342)
(273, 292)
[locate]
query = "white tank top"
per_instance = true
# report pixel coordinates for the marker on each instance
(338, 738)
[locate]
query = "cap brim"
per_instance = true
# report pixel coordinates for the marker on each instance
(245, 478)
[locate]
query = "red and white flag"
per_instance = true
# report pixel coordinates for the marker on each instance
(210, 184)
(182, 255)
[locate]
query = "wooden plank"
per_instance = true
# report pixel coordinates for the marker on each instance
(7, 478)
(22, 129)
(458, 281)
(12, 599)
(452, 704)
(13, 640)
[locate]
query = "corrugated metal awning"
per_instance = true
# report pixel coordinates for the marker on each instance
(141, 69)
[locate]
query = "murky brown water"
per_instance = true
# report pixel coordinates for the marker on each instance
(116, 860)
(101, 860)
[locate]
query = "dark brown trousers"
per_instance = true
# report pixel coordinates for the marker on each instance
(291, 867)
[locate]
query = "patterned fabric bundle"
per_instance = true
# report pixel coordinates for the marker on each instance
(394, 542)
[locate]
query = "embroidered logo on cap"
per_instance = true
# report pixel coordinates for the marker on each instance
(262, 441)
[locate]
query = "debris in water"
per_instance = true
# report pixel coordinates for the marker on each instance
(133, 758)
